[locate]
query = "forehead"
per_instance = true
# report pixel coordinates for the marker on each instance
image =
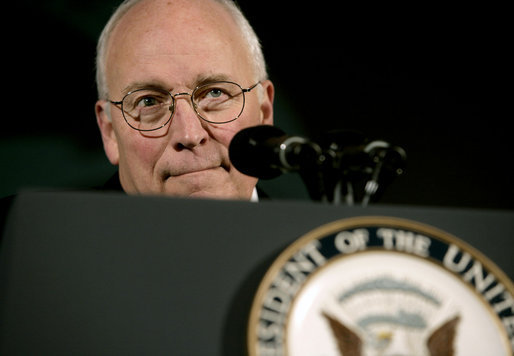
(175, 38)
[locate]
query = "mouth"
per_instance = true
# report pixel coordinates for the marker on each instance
(189, 172)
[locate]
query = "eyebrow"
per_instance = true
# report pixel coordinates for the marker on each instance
(158, 84)
(154, 84)
(204, 79)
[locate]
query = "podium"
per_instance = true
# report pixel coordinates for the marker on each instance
(104, 274)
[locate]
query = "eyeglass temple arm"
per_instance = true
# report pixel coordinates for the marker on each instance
(253, 86)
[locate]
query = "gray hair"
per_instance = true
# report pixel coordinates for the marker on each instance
(253, 43)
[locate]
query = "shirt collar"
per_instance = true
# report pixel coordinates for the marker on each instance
(255, 196)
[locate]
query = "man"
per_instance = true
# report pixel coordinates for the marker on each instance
(177, 79)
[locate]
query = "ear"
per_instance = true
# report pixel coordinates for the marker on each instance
(267, 103)
(109, 139)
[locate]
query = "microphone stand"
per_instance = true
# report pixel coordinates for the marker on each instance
(338, 172)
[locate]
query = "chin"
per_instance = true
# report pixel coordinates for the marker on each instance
(205, 186)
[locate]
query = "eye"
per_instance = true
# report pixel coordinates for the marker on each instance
(148, 101)
(212, 93)
(218, 97)
(145, 99)
(215, 93)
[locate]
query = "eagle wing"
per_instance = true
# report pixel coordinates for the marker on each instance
(440, 342)
(348, 342)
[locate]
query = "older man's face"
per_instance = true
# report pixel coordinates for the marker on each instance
(177, 45)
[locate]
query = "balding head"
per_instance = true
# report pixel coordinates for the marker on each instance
(256, 57)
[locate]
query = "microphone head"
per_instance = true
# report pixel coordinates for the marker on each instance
(252, 153)
(393, 158)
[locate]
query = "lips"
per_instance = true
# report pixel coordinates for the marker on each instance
(193, 171)
(175, 167)
(190, 171)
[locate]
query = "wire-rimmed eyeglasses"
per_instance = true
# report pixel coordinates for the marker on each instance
(149, 109)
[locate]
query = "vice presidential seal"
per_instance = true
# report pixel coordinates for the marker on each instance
(382, 286)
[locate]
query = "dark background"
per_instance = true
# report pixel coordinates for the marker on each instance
(433, 79)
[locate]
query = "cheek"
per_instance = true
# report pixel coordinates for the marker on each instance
(225, 133)
(252, 113)
(141, 152)
(149, 151)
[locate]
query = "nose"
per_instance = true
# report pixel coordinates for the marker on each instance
(187, 130)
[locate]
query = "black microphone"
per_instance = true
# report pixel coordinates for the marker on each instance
(266, 152)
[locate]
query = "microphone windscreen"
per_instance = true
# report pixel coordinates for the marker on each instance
(252, 151)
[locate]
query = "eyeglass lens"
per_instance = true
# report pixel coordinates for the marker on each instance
(150, 109)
